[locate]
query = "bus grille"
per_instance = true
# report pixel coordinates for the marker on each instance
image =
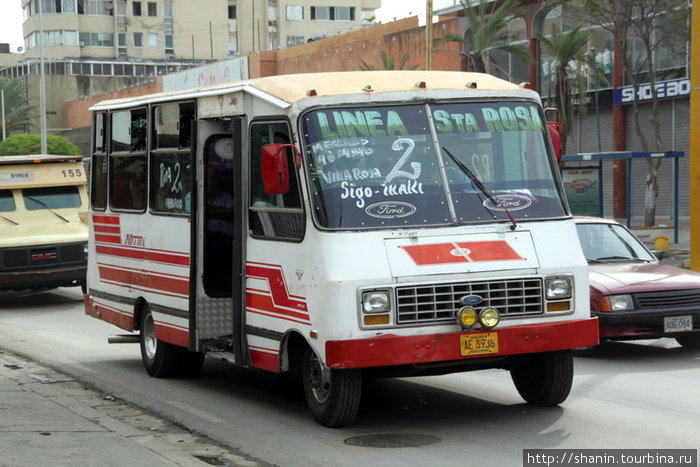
(37, 257)
(439, 302)
(668, 299)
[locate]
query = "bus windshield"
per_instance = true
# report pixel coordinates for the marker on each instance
(385, 166)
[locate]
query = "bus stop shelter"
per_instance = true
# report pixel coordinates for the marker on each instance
(592, 186)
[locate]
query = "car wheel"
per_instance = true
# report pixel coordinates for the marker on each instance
(544, 379)
(333, 396)
(689, 341)
(159, 358)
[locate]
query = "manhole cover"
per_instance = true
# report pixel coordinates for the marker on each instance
(392, 440)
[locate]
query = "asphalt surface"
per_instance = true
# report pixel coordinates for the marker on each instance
(48, 416)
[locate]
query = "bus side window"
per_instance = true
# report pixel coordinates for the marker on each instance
(128, 167)
(98, 165)
(274, 216)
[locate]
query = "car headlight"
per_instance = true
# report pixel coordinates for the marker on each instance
(618, 303)
(376, 301)
(557, 288)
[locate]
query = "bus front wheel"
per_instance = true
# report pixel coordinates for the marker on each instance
(159, 358)
(333, 396)
(544, 379)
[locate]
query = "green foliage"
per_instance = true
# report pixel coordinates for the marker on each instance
(18, 113)
(388, 62)
(567, 47)
(487, 32)
(24, 143)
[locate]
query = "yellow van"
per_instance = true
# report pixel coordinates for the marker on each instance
(43, 222)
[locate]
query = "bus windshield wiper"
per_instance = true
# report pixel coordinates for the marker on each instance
(43, 204)
(480, 185)
(9, 220)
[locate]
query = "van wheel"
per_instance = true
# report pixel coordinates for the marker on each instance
(544, 379)
(159, 358)
(689, 341)
(333, 396)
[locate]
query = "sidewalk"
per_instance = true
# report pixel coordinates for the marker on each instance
(678, 253)
(49, 418)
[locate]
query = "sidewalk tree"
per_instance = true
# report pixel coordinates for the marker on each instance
(652, 26)
(18, 113)
(567, 49)
(487, 32)
(24, 143)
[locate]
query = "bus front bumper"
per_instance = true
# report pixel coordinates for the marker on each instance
(393, 350)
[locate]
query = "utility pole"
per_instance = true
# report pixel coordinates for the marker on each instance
(42, 82)
(429, 34)
(694, 185)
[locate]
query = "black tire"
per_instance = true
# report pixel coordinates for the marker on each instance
(191, 363)
(333, 396)
(544, 379)
(159, 358)
(689, 341)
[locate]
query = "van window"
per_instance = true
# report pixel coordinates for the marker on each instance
(7, 202)
(51, 197)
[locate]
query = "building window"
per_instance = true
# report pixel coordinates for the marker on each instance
(136, 8)
(152, 9)
(295, 40)
(92, 7)
(168, 15)
(333, 13)
(96, 39)
(138, 39)
(232, 12)
(295, 12)
(153, 40)
(169, 44)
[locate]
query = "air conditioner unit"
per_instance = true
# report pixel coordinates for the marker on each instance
(81, 43)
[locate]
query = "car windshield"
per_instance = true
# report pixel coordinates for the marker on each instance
(386, 166)
(610, 243)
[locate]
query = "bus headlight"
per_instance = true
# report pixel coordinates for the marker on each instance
(489, 318)
(467, 317)
(557, 288)
(376, 302)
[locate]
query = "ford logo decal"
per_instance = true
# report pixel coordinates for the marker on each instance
(504, 201)
(471, 299)
(390, 209)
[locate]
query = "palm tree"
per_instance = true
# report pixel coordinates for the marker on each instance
(388, 62)
(566, 48)
(18, 113)
(487, 33)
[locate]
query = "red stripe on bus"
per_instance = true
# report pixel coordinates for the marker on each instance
(266, 303)
(178, 285)
(103, 219)
(172, 334)
(108, 238)
(278, 287)
(263, 359)
(157, 256)
(106, 229)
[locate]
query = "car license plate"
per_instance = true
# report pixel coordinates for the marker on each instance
(678, 323)
(478, 344)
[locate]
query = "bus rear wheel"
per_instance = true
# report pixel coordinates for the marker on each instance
(333, 396)
(159, 358)
(544, 379)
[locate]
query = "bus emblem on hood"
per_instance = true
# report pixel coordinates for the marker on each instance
(471, 300)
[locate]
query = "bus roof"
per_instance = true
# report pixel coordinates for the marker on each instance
(284, 90)
(37, 159)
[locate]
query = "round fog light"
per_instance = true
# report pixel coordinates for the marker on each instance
(489, 318)
(467, 317)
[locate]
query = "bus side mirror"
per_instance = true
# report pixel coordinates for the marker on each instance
(554, 126)
(275, 168)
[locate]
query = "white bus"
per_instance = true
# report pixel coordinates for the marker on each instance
(343, 225)
(43, 222)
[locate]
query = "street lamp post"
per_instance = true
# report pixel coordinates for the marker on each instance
(42, 83)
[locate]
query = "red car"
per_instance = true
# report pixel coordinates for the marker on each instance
(633, 295)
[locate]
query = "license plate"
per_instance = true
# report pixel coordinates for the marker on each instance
(678, 323)
(478, 344)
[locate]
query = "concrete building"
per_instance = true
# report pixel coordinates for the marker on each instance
(91, 47)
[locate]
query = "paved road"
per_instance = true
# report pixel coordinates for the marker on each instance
(627, 395)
